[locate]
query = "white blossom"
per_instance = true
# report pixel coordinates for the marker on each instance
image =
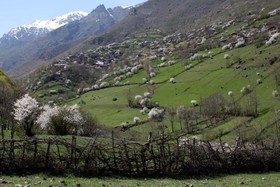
(128, 74)
(189, 66)
(117, 83)
(172, 80)
(275, 93)
(136, 119)
(44, 118)
(70, 114)
(105, 76)
(147, 94)
(117, 79)
(140, 66)
(196, 56)
(144, 102)
(24, 108)
(144, 110)
(151, 82)
(134, 70)
(144, 80)
(95, 87)
(104, 85)
(152, 74)
(138, 98)
(73, 114)
(171, 62)
(230, 93)
(227, 46)
(272, 39)
(194, 102)
(226, 56)
(161, 65)
(246, 89)
(156, 113)
(240, 42)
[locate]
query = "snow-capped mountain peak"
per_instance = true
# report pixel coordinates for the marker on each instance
(40, 27)
(58, 21)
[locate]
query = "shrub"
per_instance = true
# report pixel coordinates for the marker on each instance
(61, 120)
(259, 81)
(230, 93)
(226, 56)
(240, 42)
(172, 80)
(246, 90)
(213, 106)
(189, 66)
(194, 102)
(144, 110)
(275, 93)
(138, 98)
(156, 114)
(147, 95)
(89, 125)
(272, 39)
(104, 85)
(136, 119)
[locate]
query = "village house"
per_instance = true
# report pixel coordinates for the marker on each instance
(272, 28)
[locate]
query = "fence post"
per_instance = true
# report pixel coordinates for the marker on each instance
(48, 154)
(128, 160)
(114, 154)
(12, 152)
(73, 151)
(35, 150)
(136, 160)
(3, 143)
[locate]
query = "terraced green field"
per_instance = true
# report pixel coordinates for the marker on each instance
(110, 105)
(212, 75)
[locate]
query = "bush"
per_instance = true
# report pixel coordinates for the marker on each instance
(89, 127)
(59, 126)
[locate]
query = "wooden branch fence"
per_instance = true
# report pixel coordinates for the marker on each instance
(165, 156)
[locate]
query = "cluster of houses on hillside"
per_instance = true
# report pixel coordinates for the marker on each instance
(104, 57)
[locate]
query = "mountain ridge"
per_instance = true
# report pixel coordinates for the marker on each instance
(39, 28)
(57, 41)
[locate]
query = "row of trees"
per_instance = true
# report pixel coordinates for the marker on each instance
(59, 120)
(19, 111)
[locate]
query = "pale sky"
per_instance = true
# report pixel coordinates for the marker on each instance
(14, 13)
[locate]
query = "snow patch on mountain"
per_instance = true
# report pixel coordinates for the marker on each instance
(41, 27)
(58, 21)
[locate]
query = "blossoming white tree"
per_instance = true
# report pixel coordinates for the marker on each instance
(25, 110)
(156, 114)
(44, 119)
(61, 120)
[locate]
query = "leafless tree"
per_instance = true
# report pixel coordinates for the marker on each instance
(213, 107)
(7, 98)
(171, 112)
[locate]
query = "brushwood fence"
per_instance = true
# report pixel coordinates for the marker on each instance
(165, 156)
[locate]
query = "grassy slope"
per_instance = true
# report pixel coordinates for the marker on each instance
(6, 80)
(262, 179)
(112, 113)
(210, 76)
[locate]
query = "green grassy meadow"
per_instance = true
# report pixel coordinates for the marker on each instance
(250, 180)
(110, 105)
(208, 75)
